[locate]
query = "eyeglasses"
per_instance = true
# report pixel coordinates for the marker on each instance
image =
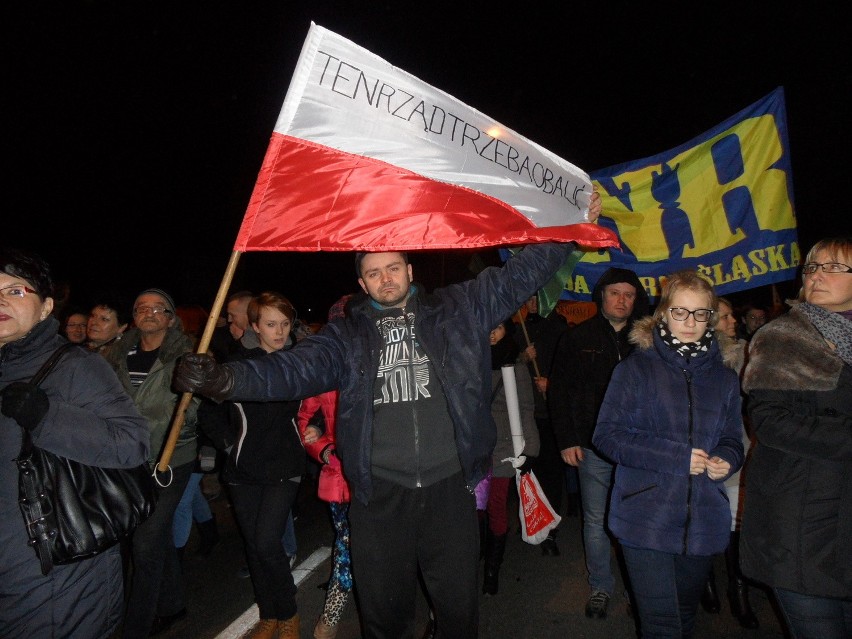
(16, 291)
(828, 267)
(156, 310)
(75, 326)
(700, 314)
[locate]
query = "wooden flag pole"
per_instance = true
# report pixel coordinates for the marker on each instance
(523, 324)
(203, 344)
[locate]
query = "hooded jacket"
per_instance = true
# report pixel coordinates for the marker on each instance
(90, 419)
(587, 355)
(659, 406)
(452, 324)
(797, 523)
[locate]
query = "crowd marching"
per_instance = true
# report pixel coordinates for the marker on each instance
(679, 432)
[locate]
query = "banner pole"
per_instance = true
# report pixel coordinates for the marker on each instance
(523, 324)
(203, 344)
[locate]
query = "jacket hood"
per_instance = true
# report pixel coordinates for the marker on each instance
(615, 275)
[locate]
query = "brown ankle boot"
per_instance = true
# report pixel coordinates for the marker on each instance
(289, 628)
(265, 629)
(323, 631)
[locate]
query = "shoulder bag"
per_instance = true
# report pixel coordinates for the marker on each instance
(73, 511)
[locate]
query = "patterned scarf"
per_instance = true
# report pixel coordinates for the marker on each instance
(834, 327)
(686, 349)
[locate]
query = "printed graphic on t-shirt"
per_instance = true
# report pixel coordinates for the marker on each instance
(401, 358)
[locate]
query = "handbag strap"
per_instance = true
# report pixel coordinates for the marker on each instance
(49, 364)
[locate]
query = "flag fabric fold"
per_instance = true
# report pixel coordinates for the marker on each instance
(365, 156)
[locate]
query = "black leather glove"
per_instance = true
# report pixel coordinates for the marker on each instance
(199, 373)
(527, 465)
(26, 403)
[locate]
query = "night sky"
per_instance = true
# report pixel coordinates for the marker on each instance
(134, 131)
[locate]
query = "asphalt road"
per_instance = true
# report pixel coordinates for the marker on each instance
(540, 597)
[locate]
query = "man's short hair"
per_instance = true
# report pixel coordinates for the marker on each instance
(359, 257)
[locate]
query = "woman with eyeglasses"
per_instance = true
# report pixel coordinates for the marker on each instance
(671, 422)
(797, 523)
(79, 411)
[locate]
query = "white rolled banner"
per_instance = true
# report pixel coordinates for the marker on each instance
(511, 388)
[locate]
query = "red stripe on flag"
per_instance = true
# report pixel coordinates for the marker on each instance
(310, 197)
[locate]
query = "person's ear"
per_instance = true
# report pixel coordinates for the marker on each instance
(46, 307)
(410, 274)
(363, 286)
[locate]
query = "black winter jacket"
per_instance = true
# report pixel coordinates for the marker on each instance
(453, 324)
(584, 362)
(90, 419)
(797, 521)
(264, 446)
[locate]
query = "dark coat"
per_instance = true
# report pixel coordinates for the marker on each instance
(797, 521)
(585, 359)
(453, 325)
(266, 446)
(90, 419)
(658, 407)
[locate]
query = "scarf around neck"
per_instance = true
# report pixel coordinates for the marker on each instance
(834, 327)
(685, 349)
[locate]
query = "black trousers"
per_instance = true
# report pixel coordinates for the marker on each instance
(262, 513)
(434, 528)
(548, 467)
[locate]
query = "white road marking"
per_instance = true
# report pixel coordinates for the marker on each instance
(246, 621)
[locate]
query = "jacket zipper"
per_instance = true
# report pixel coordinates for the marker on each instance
(412, 389)
(688, 378)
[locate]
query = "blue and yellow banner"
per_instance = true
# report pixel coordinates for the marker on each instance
(721, 203)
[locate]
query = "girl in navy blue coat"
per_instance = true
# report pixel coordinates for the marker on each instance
(671, 422)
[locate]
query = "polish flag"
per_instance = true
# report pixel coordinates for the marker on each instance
(366, 157)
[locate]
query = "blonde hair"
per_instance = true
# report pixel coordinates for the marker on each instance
(691, 281)
(834, 246)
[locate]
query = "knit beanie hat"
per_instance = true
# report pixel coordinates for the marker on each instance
(170, 303)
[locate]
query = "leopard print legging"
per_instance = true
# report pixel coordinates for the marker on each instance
(340, 584)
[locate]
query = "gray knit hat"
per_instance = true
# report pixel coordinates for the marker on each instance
(170, 303)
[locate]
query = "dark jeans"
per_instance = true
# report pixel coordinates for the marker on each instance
(666, 590)
(812, 617)
(434, 528)
(156, 582)
(262, 513)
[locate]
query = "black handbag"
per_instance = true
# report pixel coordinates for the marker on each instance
(72, 510)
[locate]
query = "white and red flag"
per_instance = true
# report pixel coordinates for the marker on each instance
(365, 156)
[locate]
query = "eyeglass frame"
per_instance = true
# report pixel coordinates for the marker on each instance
(806, 268)
(27, 291)
(153, 310)
(709, 312)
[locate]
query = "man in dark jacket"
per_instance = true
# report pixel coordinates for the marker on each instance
(587, 355)
(415, 433)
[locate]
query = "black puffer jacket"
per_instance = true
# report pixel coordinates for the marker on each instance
(453, 325)
(587, 355)
(797, 520)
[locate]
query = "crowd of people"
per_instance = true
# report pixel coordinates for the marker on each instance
(692, 429)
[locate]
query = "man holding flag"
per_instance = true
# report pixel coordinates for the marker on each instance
(415, 433)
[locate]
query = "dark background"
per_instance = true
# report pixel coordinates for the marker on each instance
(134, 131)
